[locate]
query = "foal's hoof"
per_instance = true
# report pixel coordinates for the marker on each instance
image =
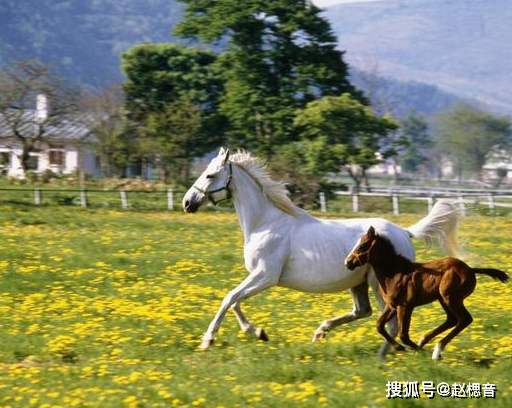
(205, 344)
(399, 347)
(436, 355)
(319, 335)
(422, 341)
(261, 335)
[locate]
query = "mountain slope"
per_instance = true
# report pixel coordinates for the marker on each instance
(82, 38)
(462, 46)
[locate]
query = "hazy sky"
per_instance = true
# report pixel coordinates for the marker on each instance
(325, 3)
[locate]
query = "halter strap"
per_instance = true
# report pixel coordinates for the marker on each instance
(210, 193)
(367, 253)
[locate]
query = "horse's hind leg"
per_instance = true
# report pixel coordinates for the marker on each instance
(464, 319)
(404, 315)
(362, 308)
(246, 326)
(451, 321)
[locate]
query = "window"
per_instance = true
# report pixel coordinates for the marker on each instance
(33, 162)
(5, 159)
(56, 155)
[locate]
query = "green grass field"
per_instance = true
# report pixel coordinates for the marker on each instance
(104, 308)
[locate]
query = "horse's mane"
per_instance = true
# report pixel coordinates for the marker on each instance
(275, 191)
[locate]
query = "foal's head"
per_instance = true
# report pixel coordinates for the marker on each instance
(360, 255)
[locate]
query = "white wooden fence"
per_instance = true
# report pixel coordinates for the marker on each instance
(393, 195)
(464, 197)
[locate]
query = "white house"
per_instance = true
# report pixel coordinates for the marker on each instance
(66, 149)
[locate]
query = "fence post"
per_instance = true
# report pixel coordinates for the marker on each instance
(83, 198)
(37, 196)
(462, 206)
(490, 201)
(430, 203)
(124, 199)
(394, 199)
(355, 199)
(170, 199)
(323, 206)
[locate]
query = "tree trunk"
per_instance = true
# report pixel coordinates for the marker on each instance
(25, 157)
(354, 176)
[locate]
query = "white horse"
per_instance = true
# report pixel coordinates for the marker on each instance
(285, 246)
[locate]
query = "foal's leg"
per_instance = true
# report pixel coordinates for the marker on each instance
(404, 315)
(251, 285)
(246, 326)
(451, 321)
(392, 324)
(362, 308)
(387, 314)
(464, 319)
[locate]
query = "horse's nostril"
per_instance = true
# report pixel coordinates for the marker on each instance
(187, 203)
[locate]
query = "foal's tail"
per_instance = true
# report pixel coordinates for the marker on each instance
(493, 273)
(440, 226)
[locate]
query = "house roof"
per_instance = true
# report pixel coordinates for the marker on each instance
(75, 129)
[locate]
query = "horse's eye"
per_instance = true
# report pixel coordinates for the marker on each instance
(210, 176)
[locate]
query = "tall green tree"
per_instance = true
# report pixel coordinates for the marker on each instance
(173, 137)
(160, 75)
(468, 135)
(415, 153)
(340, 132)
(115, 143)
(280, 56)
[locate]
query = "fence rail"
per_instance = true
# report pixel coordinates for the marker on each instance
(430, 195)
(165, 199)
(83, 197)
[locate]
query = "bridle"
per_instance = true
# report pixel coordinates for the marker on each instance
(367, 253)
(210, 193)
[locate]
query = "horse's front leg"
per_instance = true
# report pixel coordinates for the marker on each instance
(392, 324)
(247, 326)
(362, 308)
(252, 284)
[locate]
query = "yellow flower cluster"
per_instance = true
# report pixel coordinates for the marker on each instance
(107, 310)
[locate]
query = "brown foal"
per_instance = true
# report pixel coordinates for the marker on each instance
(405, 285)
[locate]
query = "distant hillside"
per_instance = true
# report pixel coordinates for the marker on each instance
(462, 46)
(84, 38)
(401, 97)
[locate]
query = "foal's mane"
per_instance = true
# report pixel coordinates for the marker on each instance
(275, 191)
(396, 257)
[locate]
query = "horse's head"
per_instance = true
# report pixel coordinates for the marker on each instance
(213, 184)
(360, 255)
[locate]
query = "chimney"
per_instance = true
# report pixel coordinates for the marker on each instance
(41, 108)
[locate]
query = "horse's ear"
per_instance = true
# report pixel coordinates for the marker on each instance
(226, 156)
(222, 152)
(371, 232)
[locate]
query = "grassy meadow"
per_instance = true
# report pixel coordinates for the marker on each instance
(105, 308)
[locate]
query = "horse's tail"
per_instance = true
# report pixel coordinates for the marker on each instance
(493, 273)
(440, 226)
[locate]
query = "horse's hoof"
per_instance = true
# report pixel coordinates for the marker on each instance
(261, 335)
(319, 335)
(422, 341)
(399, 347)
(436, 355)
(205, 344)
